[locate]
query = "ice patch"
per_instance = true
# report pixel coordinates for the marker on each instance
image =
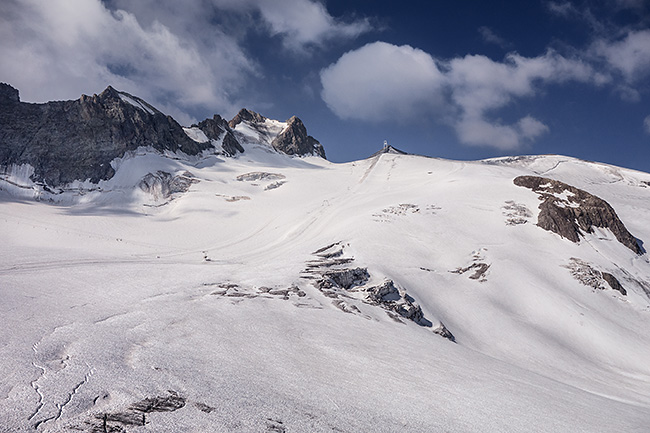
(136, 103)
(196, 134)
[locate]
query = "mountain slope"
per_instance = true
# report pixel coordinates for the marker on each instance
(260, 298)
(59, 143)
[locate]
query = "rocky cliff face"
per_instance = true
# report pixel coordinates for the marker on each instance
(571, 212)
(216, 128)
(77, 140)
(295, 141)
(65, 141)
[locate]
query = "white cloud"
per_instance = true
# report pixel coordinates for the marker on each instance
(299, 23)
(62, 48)
(304, 22)
(646, 124)
(381, 81)
(479, 86)
(474, 130)
(630, 55)
(182, 57)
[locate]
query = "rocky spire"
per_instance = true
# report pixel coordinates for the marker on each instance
(246, 115)
(295, 141)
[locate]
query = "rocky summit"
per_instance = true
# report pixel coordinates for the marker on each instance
(288, 137)
(78, 140)
(66, 141)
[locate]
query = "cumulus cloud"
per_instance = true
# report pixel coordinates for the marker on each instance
(302, 23)
(646, 124)
(62, 48)
(381, 81)
(183, 57)
(630, 55)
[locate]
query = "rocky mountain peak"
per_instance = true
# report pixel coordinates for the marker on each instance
(73, 140)
(290, 140)
(293, 140)
(77, 140)
(246, 115)
(109, 92)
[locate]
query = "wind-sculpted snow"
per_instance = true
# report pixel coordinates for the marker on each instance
(318, 305)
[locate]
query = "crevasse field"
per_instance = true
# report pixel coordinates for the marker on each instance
(124, 311)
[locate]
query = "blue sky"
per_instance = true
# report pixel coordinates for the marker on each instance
(454, 79)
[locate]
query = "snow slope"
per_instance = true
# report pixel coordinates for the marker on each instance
(112, 297)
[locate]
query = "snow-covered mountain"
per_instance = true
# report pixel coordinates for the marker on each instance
(257, 291)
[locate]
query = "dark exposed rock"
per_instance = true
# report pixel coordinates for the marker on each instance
(77, 140)
(230, 145)
(216, 128)
(571, 212)
(162, 185)
(613, 283)
(259, 175)
(135, 415)
(295, 141)
(343, 278)
(389, 297)
(246, 115)
(480, 271)
(168, 403)
(274, 185)
(444, 332)
(8, 94)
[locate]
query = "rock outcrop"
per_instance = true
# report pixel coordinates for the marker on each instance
(349, 288)
(586, 274)
(571, 212)
(215, 129)
(295, 141)
(246, 115)
(161, 185)
(77, 140)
